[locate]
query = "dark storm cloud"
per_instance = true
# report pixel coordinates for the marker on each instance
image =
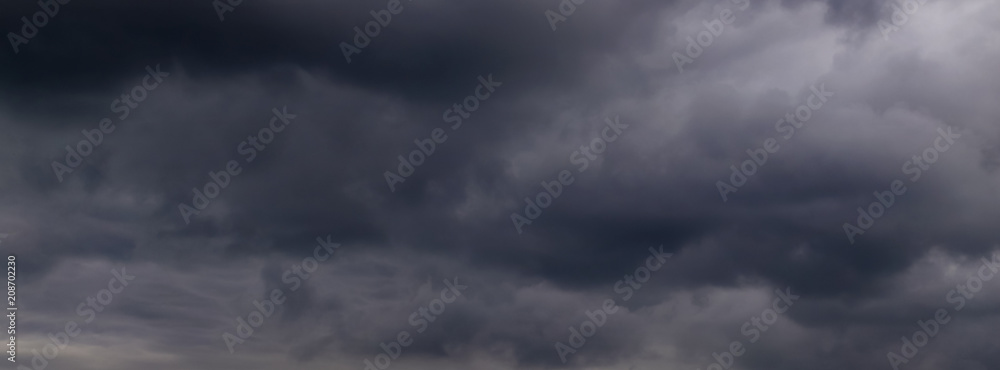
(426, 49)
(92, 45)
(655, 185)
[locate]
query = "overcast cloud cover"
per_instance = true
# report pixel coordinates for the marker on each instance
(924, 84)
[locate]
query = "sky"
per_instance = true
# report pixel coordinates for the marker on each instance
(551, 184)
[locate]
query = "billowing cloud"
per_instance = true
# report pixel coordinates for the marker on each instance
(543, 156)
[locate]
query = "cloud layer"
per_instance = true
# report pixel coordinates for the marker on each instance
(894, 86)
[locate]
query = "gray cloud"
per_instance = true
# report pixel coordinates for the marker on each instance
(655, 185)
